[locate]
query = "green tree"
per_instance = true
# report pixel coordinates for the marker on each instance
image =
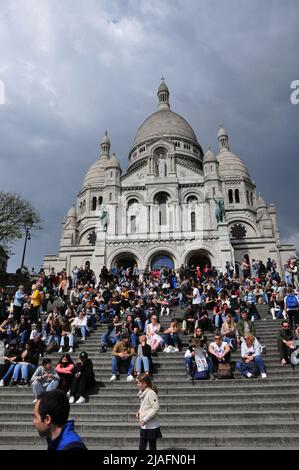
(16, 215)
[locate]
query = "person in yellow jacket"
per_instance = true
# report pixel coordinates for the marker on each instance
(36, 301)
(148, 413)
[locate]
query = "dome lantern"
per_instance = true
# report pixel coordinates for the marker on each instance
(223, 139)
(105, 145)
(163, 95)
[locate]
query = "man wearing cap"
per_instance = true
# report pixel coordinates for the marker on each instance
(83, 380)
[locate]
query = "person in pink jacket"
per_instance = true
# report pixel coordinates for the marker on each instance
(65, 370)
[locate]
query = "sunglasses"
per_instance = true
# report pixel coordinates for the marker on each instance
(217, 337)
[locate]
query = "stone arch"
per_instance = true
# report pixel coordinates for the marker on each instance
(128, 254)
(161, 190)
(153, 252)
(200, 250)
(193, 192)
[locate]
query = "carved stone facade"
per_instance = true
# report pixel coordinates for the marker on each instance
(163, 209)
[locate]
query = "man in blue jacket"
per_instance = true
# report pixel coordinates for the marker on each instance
(51, 413)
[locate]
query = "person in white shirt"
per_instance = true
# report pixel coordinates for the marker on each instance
(80, 323)
(219, 352)
(252, 361)
(196, 299)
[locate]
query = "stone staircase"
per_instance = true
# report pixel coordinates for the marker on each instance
(235, 414)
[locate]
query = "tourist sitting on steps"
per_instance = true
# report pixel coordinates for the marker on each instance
(252, 362)
(65, 370)
(44, 379)
(144, 357)
(171, 336)
(123, 354)
(219, 352)
(113, 334)
(83, 379)
(11, 357)
(198, 333)
(188, 326)
(228, 331)
(67, 332)
(196, 361)
(152, 333)
(244, 326)
(26, 365)
(80, 324)
(285, 344)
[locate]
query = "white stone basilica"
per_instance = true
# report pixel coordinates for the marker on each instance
(174, 205)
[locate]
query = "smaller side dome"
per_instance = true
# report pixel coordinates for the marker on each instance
(209, 157)
(113, 162)
(260, 202)
(72, 213)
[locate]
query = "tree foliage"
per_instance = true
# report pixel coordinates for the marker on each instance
(16, 215)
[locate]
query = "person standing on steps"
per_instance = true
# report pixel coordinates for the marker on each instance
(51, 412)
(148, 414)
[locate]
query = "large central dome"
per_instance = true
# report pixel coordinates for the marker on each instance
(164, 122)
(167, 123)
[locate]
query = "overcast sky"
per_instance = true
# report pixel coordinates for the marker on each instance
(74, 68)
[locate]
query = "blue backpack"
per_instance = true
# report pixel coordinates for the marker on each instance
(291, 302)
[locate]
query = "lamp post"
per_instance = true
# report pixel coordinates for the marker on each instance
(27, 237)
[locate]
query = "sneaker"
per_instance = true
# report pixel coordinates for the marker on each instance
(34, 401)
(176, 349)
(71, 400)
(113, 378)
(1, 383)
(130, 378)
(103, 349)
(71, 350)
(13, 383)
(263, 349)
(83, 339)
(68, 393)
(80, 401)
(60, 350)
(263, 375)
(249, 375)
(23, 383)
(283, 362)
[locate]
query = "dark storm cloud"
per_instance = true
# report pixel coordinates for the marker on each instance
(73, 69)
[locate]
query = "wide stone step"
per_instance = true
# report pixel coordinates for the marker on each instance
(194, 416)
(179, 441)
(121, 428)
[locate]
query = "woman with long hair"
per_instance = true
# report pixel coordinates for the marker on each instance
(65, 370)
(148, 413)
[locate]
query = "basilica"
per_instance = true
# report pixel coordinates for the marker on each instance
(174, 205)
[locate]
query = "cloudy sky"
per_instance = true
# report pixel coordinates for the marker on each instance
(74, 68)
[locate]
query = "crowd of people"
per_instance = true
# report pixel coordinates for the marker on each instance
(132, 304)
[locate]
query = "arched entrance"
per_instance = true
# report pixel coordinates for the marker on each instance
(160, 260)
(198, 258)
(125, 260)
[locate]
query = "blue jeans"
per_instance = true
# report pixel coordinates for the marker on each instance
(244, 368)
(71, 340)
(117, 360)
(217, 319)
(83, 331)
(23, 337)
(143, 361)
(25, 370)
(172, 339)
(38, 387)
(9, 372)
(109, 339)
(134, 340)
